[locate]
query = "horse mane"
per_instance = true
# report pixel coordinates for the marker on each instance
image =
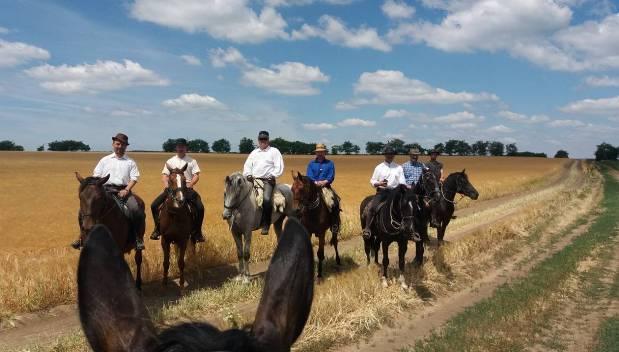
(190, 337)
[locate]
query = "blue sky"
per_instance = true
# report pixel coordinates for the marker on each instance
(540, 73)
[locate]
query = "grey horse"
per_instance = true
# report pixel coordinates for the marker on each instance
(243, 216)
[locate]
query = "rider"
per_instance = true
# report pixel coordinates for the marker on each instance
(322, 172)
(413, 168)
(264, 163)
(192, 176)
(436, 167)
(387, 176)
(124, 175)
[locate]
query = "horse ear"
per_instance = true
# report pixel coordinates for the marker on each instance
(293, 175)
(288, 290)
(227, 179)
(111, 311)
(299, 175)
(103, 180)
(184, 167)
(463, 170)
(79, 177)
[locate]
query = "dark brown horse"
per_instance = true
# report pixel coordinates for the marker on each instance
(98, 207)
(314, 214)
(114, 317)
(175, 223)
(455, 183)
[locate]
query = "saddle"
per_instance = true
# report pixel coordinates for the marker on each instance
(279, 200)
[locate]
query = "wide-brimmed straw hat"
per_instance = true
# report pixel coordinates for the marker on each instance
(122, 138)
(414, 151)
(320, 148)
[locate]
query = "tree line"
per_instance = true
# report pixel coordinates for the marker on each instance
(454, 147)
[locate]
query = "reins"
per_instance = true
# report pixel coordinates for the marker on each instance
(455, 192)
(232, 207)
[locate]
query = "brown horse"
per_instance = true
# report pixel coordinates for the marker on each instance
(175, 222)
(314, 214)
(98, 207)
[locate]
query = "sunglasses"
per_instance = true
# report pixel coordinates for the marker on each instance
(263, 139)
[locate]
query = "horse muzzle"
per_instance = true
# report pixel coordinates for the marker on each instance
(227, 214)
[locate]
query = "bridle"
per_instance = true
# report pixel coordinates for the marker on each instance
(310, 205)
(235, 206)
(397, 226)
(172, 192)
(456, 191)
(106, 212)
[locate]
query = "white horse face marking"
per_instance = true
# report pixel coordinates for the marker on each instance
(179, 184)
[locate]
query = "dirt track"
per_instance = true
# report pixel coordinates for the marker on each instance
(45, 327)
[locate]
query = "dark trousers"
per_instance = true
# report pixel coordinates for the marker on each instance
(192, 197)
(372, 208)
(267, 202)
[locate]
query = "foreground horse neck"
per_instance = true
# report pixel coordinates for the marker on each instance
(450, 187)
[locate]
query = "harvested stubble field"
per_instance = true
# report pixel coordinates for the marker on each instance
(39, 210)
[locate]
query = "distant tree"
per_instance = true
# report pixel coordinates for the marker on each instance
(530, 154)
(398, 145)
(221, 146)
(496, 148)
(511, 149)
(410, 146)
(169, 146)
(246, 145)
(68, 145)
(374, 147)
(480, 148)
(561, 154)
(450, 147)
(348, 148)
(41, 148)
(10, 146)
(335, 149)
(356, 149)
(198, 146)
(606, 151)
(440, 147)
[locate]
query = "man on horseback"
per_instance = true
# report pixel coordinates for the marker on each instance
(436, 167)
(192, 176)
(264, 163)
(413, 168)
(322, 172)
(124, 175)
(387, 176)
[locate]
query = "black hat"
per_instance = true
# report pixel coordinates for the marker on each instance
(435, 151)
(181, 141)
(388, 150)
(122, 138)
(263, 135)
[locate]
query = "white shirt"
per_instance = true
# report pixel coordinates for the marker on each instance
(262, 163)
(177, 163)
(121, 170)
(392, 172)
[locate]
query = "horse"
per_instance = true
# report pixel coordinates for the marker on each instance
(175, 222)
(427, 189)
(455, 183)
(114, 317)
(393, 222)
(372, 244)
(98, 207)
(243, 216)
(314, 214)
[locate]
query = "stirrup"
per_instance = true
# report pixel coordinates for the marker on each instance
(366, 234)
(139, 245)
(414, 237)
(155, 235)
(76, 244)
(198, 237)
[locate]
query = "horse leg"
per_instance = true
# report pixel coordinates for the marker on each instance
(385, 245)
(165, 245)
(376, 247)
(181, 264)
(246, 254)
(334, 242)
(321, 252)
(402, 248)
(238, 240)
(419, 251)
(367, 245)
(138, 265)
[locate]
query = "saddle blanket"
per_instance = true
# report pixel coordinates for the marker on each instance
(329, 197)
(279, 200)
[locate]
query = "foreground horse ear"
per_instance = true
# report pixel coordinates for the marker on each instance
(288, 290)
(299, 175)
(103, 180)
(463, 170)
(111, 311)
(184, 167)
(79, 177)
(293, 175)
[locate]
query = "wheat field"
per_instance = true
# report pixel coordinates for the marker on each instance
(38, 217)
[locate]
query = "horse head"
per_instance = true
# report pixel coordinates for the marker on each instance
(236, 189)
(429, 184)
(92, 200)
(176, 187)
(407, 201)
(464, 186)
(114, 317)
(303, 190)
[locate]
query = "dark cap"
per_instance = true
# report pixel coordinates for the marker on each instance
(435, 151)
(263, 135)
(388, 150)
(122, 138)
(181, 141)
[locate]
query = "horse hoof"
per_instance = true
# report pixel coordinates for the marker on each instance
(238, 278)
(385, 283)
(245, 280)
(402, 281)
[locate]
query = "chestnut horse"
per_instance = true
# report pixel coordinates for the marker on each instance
(175, 222)
(314, 214)
(114, 317)
(98, 207)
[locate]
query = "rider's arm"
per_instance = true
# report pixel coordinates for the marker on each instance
(194, 180)
(309, 172)
(374, 181)
(278, 164)
(130, 185)
(248, 164)
(330, 176)
(165, 179)
(195, 171)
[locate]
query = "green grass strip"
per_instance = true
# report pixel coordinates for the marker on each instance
(478, 327)
(608, 337)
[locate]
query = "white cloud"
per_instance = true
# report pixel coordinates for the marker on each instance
(500, 129)
(334, 31)
(566, 123)
(275, 3)
(193, 101)
(536, 30)
(397, 9)
(603, 81)
(191, 60)
(17, 53)
(521, 118)
(463, 125)
(594, 106)
(342, 105)
(130, 112)
(4, 30)
(394, 114)
(288, 78)
(459, 117)
(232, 20)
(393, 87)
(354, 122)
(98, 77)
(318, 126)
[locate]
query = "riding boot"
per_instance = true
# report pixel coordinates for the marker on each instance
(267, 207)
(335, 217)
(154, 208)
(198, 219)
(155, 235)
